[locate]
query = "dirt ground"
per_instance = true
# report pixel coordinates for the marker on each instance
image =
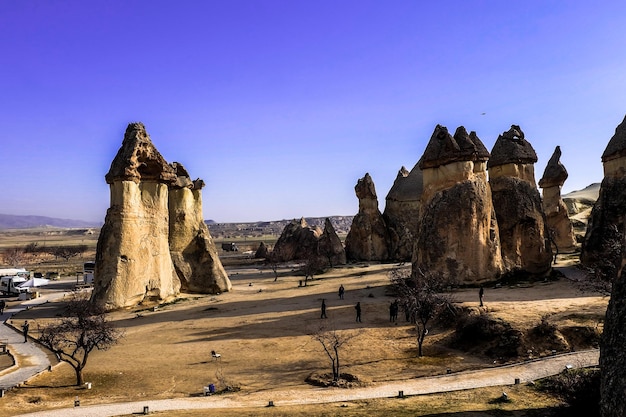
(262, 331)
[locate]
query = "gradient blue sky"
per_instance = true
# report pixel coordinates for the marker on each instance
(281, 106)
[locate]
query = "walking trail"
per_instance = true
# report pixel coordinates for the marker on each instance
(29, 358)
(500, 376)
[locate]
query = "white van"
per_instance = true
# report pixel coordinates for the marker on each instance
(9, 285)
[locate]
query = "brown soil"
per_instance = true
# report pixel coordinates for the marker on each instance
(262, 331)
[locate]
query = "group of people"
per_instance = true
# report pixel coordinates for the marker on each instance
(394, 307)
(342, 292)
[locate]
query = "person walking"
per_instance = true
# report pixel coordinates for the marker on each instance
(25, 327)
(481, 294)
(323, 316)
(357, 307)
(341, 291)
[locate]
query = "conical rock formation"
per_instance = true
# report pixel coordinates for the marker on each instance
(557, 218)
(458, 232)
(524, 236)
(297, 241)
(368, 238)
(330, 247)
(133, 262)
(402, 212)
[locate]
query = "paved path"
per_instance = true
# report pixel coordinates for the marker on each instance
(500, 376)
(29, 357)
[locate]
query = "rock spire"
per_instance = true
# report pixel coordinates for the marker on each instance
(524, 236)
(458, 232)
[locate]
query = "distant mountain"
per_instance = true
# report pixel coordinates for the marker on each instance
(589, 193)
(10, 221)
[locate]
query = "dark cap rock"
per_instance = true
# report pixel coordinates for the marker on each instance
(617, 145)
(512, 148)
(139, 160)
(555, 173)
(408, 186)
(444, 148)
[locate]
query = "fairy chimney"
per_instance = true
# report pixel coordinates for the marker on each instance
(557, 218)
(524, 236)
(458, 232)
(368, 238)
(133, 262)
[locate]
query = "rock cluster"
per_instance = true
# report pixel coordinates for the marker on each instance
(557, 218)
(602, 247)
(133, 259)
(446, 216)
(458, 232)
(368, 238)
(297, 241)
(523, 233)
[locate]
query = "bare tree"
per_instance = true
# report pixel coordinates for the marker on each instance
(272, 261)
(332, 341)
(84, 328)
(313, 265)
(67, 252)
(423, 297)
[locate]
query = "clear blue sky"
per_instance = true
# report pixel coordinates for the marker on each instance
(281, 106)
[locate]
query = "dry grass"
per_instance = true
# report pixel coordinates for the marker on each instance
(471, 403)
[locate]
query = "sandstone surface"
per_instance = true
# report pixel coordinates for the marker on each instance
(457, 232)
(368, 238)
(524, 237)
(133, 262)
(602, 246)
(557, 218)
(193, 252)
(402, 212)
(612, 357)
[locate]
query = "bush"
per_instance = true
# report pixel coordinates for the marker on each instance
(579, 388)
(495, 337)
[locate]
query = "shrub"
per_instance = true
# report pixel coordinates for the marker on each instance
(579, 388)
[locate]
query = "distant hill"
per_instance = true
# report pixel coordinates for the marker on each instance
(10, 221)
(589, 193)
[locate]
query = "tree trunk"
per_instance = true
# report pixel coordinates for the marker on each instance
(338, 375)
(79, 377)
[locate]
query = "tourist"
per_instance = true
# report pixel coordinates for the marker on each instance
(357, 307)
(481, 293)
(25, 330)
(341, 292)
(323, 309)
